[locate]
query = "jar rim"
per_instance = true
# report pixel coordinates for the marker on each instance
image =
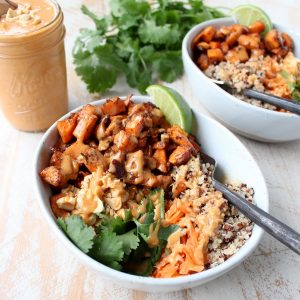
(24, 34)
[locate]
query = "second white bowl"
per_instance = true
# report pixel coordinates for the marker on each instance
(241, 117)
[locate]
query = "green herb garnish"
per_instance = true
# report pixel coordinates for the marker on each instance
(139, 39)
(122, 244)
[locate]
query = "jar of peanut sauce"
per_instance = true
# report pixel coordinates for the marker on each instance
(33, 84)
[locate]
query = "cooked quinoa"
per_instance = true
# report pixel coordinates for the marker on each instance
(232, 229)
(261, 73)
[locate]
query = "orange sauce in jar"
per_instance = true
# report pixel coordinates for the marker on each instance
(33, 85)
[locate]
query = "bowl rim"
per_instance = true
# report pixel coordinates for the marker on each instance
(185, 52)
(196, 278)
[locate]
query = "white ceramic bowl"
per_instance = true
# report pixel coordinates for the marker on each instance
(235, 162)
(241, 117)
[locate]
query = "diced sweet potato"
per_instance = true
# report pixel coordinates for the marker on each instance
(215, 55)
(271, 40)
(85, 127)
(178, 135)
(58, 212)
(208, 34)
(232, 38)
(113, 107)
(161, 158)
(214, 45)
(203, 62)
(54, 176)
(237, 54)
(249, 41)
(125, 141)
(224, 47)
(180, 155)
(257, 27)
(135, 125)
(66, 127)
(89, 156)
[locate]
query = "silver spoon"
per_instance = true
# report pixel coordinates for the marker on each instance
(287, 104)
(5, 5)
(274, 227)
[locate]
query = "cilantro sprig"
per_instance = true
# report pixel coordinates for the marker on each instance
(139, 40)
(123, 244)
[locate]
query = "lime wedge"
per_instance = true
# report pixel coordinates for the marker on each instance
(247, 14)
(173, 106)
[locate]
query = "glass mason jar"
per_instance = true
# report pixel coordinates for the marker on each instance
(33, 83)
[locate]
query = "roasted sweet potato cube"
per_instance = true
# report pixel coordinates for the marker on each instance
(214, 45)
(215, 55)
(271, 40)
(203, 62)
(161, 158)
(257, 27)
(66, 127)
(125, 141)
(249, 41)
(135, 125)
(224, 47)
(54, 176)
(232, 38)
(113, 107)
(180, 155)
(178, 135)
(208, 34)
(237, 54)
(58, 212)
(89, 156)
(85, 127)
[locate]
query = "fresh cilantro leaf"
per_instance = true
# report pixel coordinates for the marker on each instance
(129, 240)
(101, 23)
(112, 224)
(129, 7)
(98, 69)
(167, 34)
(108, 249)
(78, 232)
(139, 39)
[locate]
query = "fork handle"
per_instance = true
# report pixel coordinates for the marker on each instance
(273, 226)
(287, 104)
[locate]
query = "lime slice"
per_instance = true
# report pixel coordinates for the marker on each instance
(173, 106)
(247, 14)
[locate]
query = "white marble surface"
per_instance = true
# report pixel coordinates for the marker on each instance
(33, 265)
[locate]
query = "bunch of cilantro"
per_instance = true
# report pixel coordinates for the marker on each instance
(139, 39)
(122, 244)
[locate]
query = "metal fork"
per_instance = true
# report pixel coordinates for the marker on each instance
(287, 104)
(273, 226)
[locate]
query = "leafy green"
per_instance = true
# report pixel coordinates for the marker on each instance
(78, 232)
(108, 249)
(123, 244)
(140, 40)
